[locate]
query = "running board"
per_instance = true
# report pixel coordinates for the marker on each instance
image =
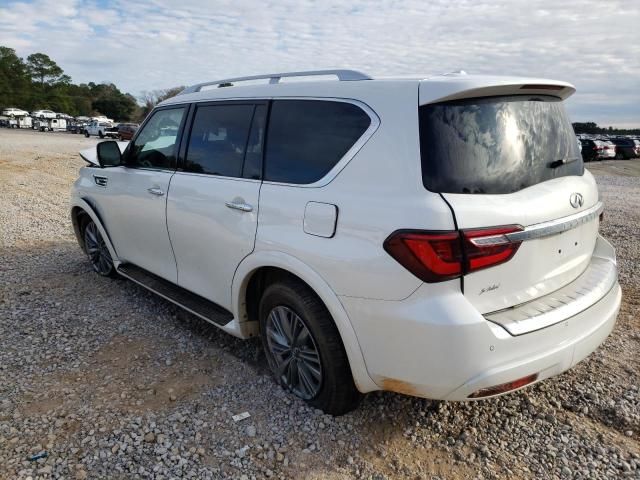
(191, 302)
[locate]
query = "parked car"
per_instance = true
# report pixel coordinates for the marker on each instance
(625, 148)
(102, 118)
(14, 112)
(597, 149)
(126, 131)
(589, 150)
(369, 236)
(76, 127)
(100, 129)
(43, 114)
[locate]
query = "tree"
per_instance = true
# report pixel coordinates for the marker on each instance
(14, 81)
(151, 99)
(39, 83)
(44, 70)
(112, 102)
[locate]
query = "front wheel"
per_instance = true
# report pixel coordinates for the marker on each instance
(304, 349)
(97, 250)
(86, 134)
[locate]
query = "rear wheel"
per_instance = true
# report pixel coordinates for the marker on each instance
(304, 349)
(97, 250)
(619, 156)
(100, 134)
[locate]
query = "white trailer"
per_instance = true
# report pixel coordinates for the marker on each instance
(24, 122)
(50, 124)
(20, 122)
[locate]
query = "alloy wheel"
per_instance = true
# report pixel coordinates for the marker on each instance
(295, 354)
(97, 250)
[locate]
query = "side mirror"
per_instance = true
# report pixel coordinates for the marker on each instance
(109, 154)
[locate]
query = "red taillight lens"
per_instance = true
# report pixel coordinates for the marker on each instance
(430, 256)
(438, 256)
(487, 247)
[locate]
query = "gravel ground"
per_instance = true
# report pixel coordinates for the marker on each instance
(113, 382)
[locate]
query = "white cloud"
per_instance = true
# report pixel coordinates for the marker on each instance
(146, 45)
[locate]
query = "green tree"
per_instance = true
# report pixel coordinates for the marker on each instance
(14, 81)
(44, 70)
(111, 102)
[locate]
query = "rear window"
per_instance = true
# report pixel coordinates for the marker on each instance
(307, 138)
(496, 145)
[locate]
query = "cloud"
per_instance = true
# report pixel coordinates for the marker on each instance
(152, 44)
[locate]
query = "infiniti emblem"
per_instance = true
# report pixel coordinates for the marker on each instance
(576, 200)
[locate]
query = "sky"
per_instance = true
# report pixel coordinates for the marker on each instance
(145, 45)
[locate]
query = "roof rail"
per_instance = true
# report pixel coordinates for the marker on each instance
(343, 75)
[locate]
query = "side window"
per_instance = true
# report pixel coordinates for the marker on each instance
(218, 139)
(155, 145)
(306, 138)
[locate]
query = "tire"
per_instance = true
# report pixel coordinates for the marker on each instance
(619, 156)
(314, 366)
(96, 249)
(86, 134)
(100, 134)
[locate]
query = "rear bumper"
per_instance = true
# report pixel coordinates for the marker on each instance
(435, 344)
(598, 322)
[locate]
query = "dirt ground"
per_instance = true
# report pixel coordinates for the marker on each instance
(113, 382)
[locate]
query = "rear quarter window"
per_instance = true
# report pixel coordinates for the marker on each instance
(496, 145)
(307, 138)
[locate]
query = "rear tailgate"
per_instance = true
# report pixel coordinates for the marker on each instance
(546, 261)
(512, 161)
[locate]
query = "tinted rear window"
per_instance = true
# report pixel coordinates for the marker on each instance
(218, 139)
(496, 145)
(307, 138)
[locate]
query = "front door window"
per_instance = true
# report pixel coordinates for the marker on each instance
(155, 146)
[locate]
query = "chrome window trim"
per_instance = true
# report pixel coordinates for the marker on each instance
(346, 158)
(339, 166)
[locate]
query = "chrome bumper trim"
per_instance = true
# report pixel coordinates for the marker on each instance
(553, 227)
(595, 282)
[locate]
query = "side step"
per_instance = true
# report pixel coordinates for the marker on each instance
(191, 302)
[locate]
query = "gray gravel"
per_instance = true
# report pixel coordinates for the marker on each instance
(112, 382)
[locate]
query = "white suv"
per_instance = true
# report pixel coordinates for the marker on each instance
(436, 237)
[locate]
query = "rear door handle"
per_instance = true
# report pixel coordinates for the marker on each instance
(155, 191)
(243, 207)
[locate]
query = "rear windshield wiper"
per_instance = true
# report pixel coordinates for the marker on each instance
(562, 161)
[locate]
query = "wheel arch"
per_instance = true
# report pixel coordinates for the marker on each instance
(79, 208)
(252, 276)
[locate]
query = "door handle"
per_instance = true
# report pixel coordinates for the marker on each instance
(243, 207)
(155, 191)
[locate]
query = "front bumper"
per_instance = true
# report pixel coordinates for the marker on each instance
(435, 344)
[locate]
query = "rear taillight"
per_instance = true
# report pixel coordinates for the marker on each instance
(430, 256)
(487, 247)
(438, 256)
